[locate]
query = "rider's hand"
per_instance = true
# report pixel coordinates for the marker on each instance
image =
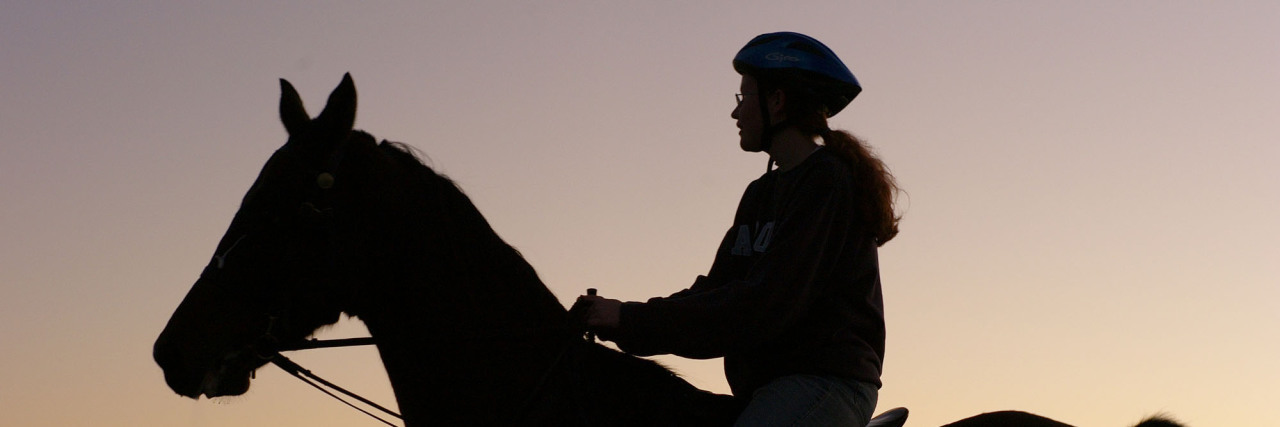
(603, 313)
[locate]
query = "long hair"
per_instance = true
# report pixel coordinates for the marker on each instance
(875, 186)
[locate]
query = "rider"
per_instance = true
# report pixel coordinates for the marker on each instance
(792, 301)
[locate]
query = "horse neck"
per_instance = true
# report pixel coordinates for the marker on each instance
(465, 330)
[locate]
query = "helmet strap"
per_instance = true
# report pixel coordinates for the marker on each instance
(766, 127)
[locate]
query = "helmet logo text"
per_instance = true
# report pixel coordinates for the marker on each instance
(779, 56)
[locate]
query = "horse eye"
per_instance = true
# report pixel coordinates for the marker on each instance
(324, 180)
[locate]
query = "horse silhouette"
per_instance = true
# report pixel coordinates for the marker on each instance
(338, 222)
(1024, 419)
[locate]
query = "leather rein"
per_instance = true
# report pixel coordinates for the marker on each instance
(315, 381)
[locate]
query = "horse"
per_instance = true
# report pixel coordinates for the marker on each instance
(1025, 419)
(339, 223)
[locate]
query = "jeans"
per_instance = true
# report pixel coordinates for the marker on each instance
(810, 400)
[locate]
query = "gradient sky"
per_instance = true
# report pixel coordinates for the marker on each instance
(1090, 225)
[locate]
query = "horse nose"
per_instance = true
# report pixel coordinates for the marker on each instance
(177, 374)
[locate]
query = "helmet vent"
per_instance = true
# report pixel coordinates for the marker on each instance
(805, 47)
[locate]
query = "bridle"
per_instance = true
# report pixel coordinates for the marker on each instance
(268, 348)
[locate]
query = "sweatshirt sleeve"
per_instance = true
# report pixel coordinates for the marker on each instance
(741, 314)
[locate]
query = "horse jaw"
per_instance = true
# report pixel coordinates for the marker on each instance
(231, 377)
(223, 383)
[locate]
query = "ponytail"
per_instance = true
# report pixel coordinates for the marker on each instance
(873, 184)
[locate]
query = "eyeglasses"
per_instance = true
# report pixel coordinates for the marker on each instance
(738, 97)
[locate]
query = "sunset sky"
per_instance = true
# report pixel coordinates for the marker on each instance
(1091, 221)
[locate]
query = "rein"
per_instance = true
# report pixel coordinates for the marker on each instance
(303, 374)
(315, 343)
(315, 381)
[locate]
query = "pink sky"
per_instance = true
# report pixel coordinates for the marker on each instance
(1090, 229)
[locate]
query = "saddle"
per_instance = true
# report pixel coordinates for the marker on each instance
(895, 417)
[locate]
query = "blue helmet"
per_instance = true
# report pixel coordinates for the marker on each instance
(797, 56)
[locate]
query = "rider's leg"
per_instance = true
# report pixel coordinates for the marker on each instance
(810, 400)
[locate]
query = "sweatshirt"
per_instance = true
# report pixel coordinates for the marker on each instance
(794, 288)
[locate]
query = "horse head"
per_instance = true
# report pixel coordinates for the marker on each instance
(274, 277)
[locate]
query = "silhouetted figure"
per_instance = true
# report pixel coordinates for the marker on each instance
(793, 300)
(338, 222)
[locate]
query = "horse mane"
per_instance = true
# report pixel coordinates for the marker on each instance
(403, 154)
(408, 157)
(453, 234)
(1159, 420)
(438, 187)
(589, 368)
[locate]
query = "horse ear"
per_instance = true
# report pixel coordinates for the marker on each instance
(339, 115)
(292, 113)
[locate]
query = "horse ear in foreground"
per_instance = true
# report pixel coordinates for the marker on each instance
(339, 223)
